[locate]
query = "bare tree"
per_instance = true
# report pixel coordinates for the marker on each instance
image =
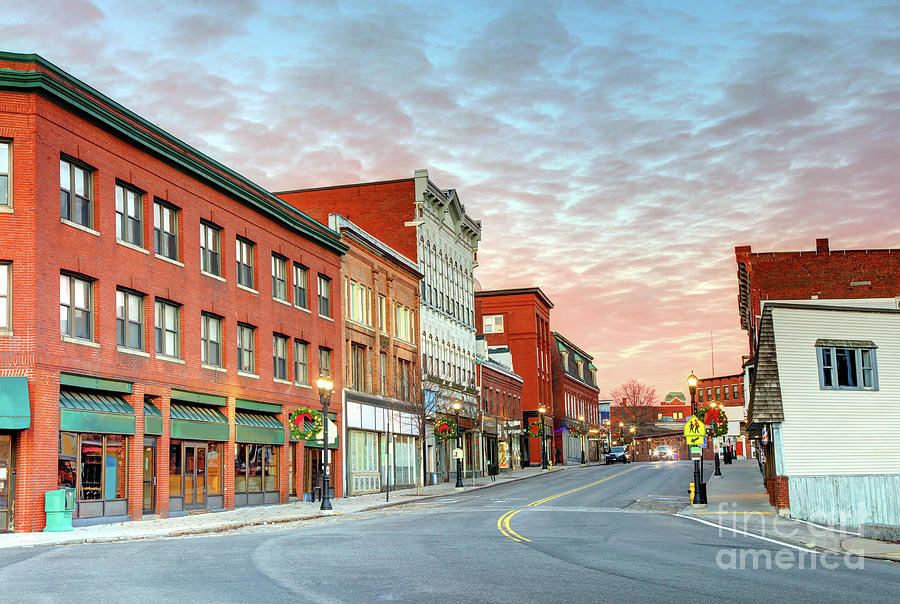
(634, 404)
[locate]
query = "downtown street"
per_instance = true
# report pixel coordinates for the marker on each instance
(589, 534)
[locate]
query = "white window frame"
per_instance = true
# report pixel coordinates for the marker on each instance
(127, 319)
(207, 321)
(301, 362)
(6, 162)
(162, 236)
(280, 345)
(279, 278)
(244, 262)
(6, 299)
(210, 235)
(861, 354)
(127, 214)
(72, 170)
(323, 286)
(70, 287)
(301, 275)
(246, 348)
(162, 328)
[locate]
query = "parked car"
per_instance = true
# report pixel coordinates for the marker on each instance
(665, 452)
(616, 454)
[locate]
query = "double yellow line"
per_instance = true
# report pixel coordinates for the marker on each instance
(503, 521)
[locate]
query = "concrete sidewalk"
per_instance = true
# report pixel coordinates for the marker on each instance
(215, 522)
(738, 502)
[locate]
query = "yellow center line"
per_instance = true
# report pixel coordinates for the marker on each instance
(503, 521)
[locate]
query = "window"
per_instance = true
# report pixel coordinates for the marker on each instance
(579, 368)
(404, 373)
(847, 368)
(76, 307)
(210, 254)
(403, 323)
(736, 391)
(167, 329)
(279, 356)
(5, 296)
(493, 323)
(279, 278)
(301, 362)
(700, 395)
(325, 361)
(717, 392)
(129, 320)
(301, 274)
(358, 367)
(129, 215)
(245, 348)
(165, 230)
(324, 296)
(383, 372)
(359, 298)
(244, 255)
(95, 464)
(709, 394)
(725, 392)
(5, 180)
(75, 194)
(382, 314)
(255, 468)
(210, 340)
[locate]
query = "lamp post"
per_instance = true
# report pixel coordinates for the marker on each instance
(326, 387)
(581, 419)
(459, 482)
(699, 487)
(718, 471)
(542, 410)
(634, 444)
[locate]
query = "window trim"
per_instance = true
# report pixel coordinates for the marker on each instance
(89, 190)
(276, 259)
(127, 320)
(251, 246)
(287, 357)
(8, 206)
(204, 341)
(241, 329)
(857, 351)
(297, 375)
(300, 267)
(70, 318)
(205, 253)
(122, 220)
(6, 322)
(162, 203)
(162, 302)
(319, 297)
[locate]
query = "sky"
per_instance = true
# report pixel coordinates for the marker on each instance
(616, 152)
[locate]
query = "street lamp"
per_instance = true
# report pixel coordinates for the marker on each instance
(699, 487)
(326, 387)
(633, 445)
(581, 419)
(542, 410)
(459, 482)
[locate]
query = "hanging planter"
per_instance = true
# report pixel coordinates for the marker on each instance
(444, 429)
(305, 423)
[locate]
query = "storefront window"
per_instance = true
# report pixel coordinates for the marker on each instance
(363, 451)
(255, 468)
(91, 467)
(240, 468)
(114, 466)
(270, 458)
(68, 460)
(404, 459)
(214, 468)
(175, 469)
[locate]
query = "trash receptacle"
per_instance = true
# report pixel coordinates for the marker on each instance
(59, 505)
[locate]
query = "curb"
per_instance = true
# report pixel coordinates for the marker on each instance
(239, 525)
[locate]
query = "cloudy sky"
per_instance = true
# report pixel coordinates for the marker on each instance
(616, 152)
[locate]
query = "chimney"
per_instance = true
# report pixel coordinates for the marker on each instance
(822, 246)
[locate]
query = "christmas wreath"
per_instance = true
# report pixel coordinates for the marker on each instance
(305, 423)
(444, 429)
(576, 431)
(535, 429)
(715, 420)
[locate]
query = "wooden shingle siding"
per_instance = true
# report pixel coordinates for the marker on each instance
(765, 393)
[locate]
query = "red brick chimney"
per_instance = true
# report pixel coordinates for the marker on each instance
(822, 246)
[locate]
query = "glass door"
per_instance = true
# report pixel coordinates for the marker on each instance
(149, 485)
(194, 476)
(5, 478)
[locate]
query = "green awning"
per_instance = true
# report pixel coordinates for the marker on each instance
(258, 428)
(152, 419)
(94, 412)
(199, 423)
(15, 412)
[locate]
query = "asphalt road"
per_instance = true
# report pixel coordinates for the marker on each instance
(597, 534)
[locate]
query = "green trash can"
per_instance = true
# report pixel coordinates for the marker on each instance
(59, 505)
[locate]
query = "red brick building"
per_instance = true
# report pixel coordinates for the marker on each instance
(382, 384)
(676, 406)
(501, 408)
(519, 319)
(575, 402)
(727, 391)
(150, 370)
(822, 273)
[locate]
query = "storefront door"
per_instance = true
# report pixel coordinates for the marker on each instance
(312, 474)
(5, 482)
(194, 476)
(149, 486)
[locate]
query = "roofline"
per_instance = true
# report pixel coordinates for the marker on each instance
(721, 377)
(577, 348)
(514, 292)
(770, 305)
(70, 93)
(354, 231)
(500, 368)
(345, 186)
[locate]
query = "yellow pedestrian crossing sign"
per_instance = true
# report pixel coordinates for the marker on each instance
(694, 427)
(695, 441)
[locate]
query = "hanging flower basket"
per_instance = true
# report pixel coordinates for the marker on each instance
(535, 429)
(444, 429)
(305, 423)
